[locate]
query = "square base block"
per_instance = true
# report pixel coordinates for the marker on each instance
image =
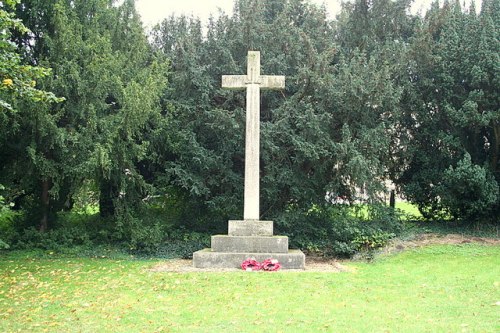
(239, 244)
(250, 228)
(206, 258)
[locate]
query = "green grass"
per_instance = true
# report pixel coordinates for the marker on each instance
(433, 289)
(408, 209)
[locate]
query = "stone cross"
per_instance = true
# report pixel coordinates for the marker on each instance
(253, 82)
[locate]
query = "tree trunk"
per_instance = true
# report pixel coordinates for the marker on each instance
(108, 193)
(392, 199)
(495, 149)
(45, 200)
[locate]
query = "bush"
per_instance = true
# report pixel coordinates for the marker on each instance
(374, 241)
(151, 232)
(142, 230)
(181, 243)
(336, 231)
(385, 218)
(469, 191)
(53, 240)
(8, 232)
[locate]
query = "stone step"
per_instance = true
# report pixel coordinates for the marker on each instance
(257, 244)
(250, 228)
(206, 258)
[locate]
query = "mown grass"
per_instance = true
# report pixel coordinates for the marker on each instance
(434, 289)
(408, 209)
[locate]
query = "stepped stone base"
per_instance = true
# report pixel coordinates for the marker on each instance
(248, 239)
(259, 244)
(206, 258)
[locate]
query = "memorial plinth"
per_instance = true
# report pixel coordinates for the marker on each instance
(294, 259)
(250, 237)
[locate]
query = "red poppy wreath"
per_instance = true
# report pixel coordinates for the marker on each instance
(270, 265)
(250, 265)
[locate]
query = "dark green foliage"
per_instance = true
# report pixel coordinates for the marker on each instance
(181, 243)
(338, 231)
(103, 66)
(7, 222)
(452, 111)
(53, 240)
(73, 234)
(375, 95)
(329, 131)
(445, 227)
(8, 232)
(469, 190)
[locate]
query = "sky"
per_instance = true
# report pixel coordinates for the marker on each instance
(154, 11)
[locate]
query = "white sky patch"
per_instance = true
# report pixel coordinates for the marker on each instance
(154, 11)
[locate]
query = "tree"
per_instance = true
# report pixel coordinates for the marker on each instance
(453, 112)
(18, 88)
(326, 133)
(18, 79)
(102, 64)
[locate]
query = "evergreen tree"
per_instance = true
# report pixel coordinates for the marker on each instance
(103, 66)
(328, 132)
(19, 91)
(453, 114)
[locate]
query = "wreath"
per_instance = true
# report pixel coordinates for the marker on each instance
(250, 265)
(270, 265)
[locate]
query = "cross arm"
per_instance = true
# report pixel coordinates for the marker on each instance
(234, 81)
(272, 81)
(265, 81)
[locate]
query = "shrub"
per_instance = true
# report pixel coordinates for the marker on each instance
(181, 243)
(142, 230)
(56, 239)
(469, 191)
(385, 218)
(373, 241)
(336, 231)
(8, 232)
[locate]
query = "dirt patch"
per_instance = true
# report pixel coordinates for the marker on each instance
(312, 265)
(326, 265)
(425, 239)
(431, 239)
(315, 264)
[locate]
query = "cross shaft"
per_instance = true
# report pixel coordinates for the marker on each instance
(253, 82)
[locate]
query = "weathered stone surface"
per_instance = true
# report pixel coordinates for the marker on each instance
(253, 82)
(266, 82)
(251, 203)
(206, 258)
(259, 244)
(250, 238)
(250, 228)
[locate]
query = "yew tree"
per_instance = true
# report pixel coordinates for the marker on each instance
(104, 68)
(452, 114)
(330, 131)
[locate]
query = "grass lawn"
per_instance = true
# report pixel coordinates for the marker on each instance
(409, 211)
(446, 288)
(408, 208)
